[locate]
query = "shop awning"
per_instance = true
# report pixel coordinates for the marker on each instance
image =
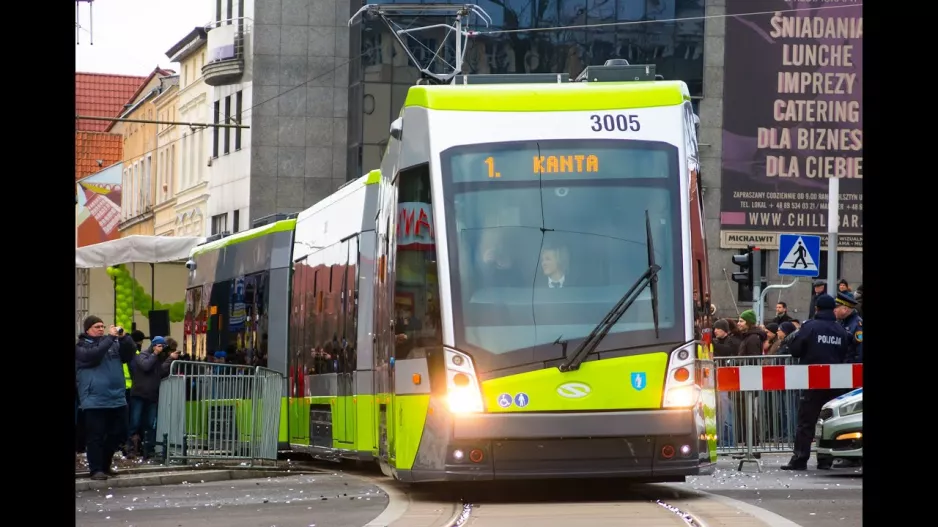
(136, 249)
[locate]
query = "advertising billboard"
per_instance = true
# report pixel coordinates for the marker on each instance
(792, 119)
(99, 206)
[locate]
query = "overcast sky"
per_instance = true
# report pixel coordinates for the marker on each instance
(132, 36)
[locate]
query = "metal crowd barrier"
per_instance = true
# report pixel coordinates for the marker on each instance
(769, 416)
(219, 412)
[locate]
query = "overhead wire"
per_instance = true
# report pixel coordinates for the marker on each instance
(245, 111)
(655, 21)
(511, 31)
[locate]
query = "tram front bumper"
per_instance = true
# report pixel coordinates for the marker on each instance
(656, 445)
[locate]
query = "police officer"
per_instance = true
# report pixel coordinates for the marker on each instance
(821, 340)
(846, 313)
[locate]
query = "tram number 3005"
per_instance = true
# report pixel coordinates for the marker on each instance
(612, 123)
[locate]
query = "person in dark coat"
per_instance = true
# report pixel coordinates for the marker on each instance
(145, 395)
(846, 313)
(858, 294)
(725, 343)
(752, 336)
(821, 340)
(99, 358)
(786, 331)
(820, 288)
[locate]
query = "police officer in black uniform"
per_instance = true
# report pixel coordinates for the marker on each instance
(846, 313)
(821, 340)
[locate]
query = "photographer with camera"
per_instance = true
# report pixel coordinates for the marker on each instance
(99, 358)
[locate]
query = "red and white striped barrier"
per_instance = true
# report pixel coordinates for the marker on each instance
(802, 377)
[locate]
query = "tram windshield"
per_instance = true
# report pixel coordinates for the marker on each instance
(545, 237)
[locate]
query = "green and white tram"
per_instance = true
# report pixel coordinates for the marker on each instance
(514, 294)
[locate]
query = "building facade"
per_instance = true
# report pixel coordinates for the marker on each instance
(319, 97)
(191, 203)
(167, 166)
(138, 193)
(280, 67)
(781, 114)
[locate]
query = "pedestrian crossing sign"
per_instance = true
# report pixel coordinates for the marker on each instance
(799, 255)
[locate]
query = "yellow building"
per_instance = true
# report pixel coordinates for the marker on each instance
(138, 189)
(167, 163)
(193, 148)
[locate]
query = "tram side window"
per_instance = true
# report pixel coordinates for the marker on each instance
(318, 330)
(416, 291)
(350, 304)
(219, 308)
(255, 347)
(297, 319)
(237, 320)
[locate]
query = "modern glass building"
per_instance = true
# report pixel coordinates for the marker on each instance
(539, 36)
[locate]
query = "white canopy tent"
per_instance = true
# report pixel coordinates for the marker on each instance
(136, 249)
(100, 294)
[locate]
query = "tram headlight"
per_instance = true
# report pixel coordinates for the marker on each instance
(682, 397)
(462, 386)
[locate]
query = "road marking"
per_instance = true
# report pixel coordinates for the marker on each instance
(398, 503)
(769, 518)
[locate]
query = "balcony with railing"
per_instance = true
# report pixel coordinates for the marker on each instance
(227, 40)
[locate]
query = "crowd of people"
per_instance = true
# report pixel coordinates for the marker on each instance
(831, 334)
(743, 336)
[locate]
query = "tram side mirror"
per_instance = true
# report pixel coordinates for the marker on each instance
(397, 129)
(190, 265)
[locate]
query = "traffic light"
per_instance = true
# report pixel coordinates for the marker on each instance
(744, 261)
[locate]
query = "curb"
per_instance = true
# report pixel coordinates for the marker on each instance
(398, 504)
(203, 476)
(156, 469)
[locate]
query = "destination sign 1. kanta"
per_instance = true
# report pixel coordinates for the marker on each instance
(581, 161)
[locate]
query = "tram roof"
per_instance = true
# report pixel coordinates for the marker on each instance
(561, 97)
(243, 236)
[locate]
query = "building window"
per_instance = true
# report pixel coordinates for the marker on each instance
(237, 131)
(200, 149)
(193, 158)
(160, 173)
(185, 159)
(138, 188)
(230, 14)
(235, 221)
(172, 170)
(148, 184)
(217, 11)
(219, 223)
(217, 110)
(227, 121)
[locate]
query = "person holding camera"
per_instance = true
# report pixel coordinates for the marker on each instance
(100, 354)
(148, 372)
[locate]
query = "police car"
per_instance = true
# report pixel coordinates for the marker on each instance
(839, 431)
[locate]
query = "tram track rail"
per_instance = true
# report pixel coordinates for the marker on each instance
(567, 503)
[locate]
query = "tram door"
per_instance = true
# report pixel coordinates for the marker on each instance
(384, 326)
(345, 419)
(298, 405)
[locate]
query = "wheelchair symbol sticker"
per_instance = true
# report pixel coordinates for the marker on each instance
(504, 400)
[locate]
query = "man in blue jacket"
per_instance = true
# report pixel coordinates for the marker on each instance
(99, 357)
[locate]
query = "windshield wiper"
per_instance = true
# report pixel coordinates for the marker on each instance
(650, 243)
(648, 278)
